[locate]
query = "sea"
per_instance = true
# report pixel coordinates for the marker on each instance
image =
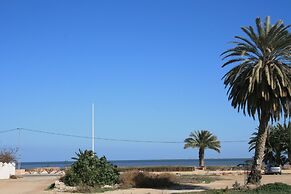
(145, 163)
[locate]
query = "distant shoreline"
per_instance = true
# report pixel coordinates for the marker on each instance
(144, 163)
(146, 160)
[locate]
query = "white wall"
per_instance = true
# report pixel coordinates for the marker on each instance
(6, 169)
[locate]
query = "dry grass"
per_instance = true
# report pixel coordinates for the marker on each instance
(138, 179)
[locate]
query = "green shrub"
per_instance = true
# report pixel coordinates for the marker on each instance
(147, 180)
(89, 170)
(275, 187)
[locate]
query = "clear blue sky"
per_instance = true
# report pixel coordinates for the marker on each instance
(152, 68)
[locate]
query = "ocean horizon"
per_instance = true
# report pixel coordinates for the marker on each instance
(144, 163)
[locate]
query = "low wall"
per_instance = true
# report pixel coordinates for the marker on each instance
(6, 170)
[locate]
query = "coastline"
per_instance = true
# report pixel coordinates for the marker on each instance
(144, 163)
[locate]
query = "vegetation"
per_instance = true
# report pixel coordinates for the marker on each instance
(275, 146)
(274, 151)
(259, 83)
(89, 170)
(224, 168)
(196, 179)
(8, 155)
(177, 168)
(273, 188)
(89, 189)
(286, 138)
(202, 140)
(136, 179)
(157, 168)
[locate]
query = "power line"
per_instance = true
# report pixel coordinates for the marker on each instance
(98, 138)
(8, 130)
(117, 140)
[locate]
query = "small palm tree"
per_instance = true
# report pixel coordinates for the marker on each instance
(259, 82)
(202, 139)
(286, 138)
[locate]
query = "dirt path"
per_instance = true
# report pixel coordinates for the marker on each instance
(26, 185)
(38, 184)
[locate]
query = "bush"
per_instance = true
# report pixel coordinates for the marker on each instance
(89, 170)
(275, 187)
(147, 180)
(8, 155)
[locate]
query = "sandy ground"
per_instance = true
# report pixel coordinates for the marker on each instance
(38, 184)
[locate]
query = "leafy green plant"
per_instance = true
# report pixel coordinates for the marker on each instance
(89, 170)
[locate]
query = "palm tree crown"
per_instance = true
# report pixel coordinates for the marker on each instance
(260, 81)
(202, 139)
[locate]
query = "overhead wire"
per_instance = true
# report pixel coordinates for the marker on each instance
(8, 130)
(116, 139)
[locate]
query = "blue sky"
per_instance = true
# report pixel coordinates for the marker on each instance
(152, 68)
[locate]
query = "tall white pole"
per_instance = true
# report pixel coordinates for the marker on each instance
(18, 150)
(93, 129)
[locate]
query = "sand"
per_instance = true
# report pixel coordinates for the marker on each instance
(38, 184)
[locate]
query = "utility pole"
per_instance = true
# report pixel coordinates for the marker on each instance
(18, 149)
(93, 130)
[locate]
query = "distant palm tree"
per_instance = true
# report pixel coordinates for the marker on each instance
(259, 83)
(202, 140)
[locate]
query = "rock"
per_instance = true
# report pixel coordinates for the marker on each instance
(43, 172)
(61, 187)
(252, 186)
(53, 172)
(60, 173)
(107, 187)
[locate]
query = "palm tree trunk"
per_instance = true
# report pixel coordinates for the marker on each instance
(255, 174)
(201, 157)
(289, 145)
(289, 155)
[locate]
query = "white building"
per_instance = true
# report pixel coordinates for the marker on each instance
(6, 170)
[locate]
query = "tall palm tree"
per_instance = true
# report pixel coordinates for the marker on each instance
(202, 139)
(259, 81)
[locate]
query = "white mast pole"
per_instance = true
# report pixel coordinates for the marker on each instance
(93, 129)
